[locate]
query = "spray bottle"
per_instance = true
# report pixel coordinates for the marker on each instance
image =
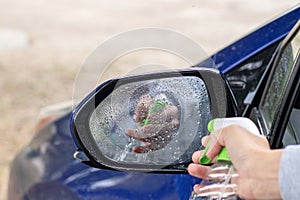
(219, 183)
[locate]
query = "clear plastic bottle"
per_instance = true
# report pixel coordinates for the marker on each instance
(221, 182)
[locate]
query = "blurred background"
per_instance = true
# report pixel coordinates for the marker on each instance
(43, 44)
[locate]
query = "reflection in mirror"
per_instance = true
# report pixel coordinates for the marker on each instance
(152, 121)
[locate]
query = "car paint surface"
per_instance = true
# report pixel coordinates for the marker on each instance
(46, 169)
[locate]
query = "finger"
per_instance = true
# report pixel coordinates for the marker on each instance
(171, 113)
(150, 133)
(140, 113)
(141, 149)
(131, 133)
(216, 143)
(205, 140)
(140, 134)
(174, 124)
(153, 133)
(156, 130)
(157, 118)
(162, 137)
(198, 170)
(142, 108)
(196, 188)
(149, 147)
(196, 155)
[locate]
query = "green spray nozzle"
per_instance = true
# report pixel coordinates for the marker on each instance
(157, 106)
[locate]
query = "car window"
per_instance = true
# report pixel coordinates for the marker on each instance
(244, 78)
(278, 83)
(292, 132)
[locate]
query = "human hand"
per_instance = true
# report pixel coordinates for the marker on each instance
(256, 164)
(156, 124)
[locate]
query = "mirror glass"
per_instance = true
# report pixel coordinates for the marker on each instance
(152, 121)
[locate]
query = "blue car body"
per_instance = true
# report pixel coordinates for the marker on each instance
(46, 169)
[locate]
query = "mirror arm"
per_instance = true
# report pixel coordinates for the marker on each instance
(232, 103)
(81, 156)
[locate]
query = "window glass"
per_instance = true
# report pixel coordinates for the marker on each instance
(249, 74)
(280, 77)
(292, 132)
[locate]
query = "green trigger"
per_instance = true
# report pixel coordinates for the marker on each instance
(223, 154)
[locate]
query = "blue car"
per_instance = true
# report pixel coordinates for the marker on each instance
(259, 77)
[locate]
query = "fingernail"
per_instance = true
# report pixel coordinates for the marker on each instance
(204, 159)
(196, 187)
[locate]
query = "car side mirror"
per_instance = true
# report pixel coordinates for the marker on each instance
(150, 122)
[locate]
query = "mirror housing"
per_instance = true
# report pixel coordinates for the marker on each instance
(100, 121)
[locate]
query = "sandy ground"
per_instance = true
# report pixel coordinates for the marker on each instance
(49, 40)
